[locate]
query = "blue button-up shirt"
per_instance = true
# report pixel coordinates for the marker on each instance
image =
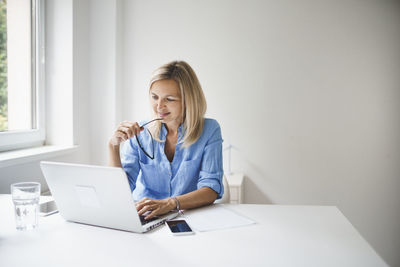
(194, 167)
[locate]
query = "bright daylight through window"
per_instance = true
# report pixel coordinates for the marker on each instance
(21, 74)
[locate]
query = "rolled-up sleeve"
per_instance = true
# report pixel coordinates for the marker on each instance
(211, 170)
(130, 162)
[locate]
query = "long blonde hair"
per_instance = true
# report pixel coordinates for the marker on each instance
(193, 101)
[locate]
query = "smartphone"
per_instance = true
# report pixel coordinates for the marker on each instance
(48, 208)
(179, 227)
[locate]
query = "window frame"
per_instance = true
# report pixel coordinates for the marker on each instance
(12, 140)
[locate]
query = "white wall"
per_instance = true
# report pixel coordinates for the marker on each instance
(308, 92)
(102, 60)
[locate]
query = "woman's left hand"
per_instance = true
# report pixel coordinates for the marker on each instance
(155, 206)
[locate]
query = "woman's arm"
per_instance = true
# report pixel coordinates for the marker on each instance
(114, 159)
(200, 197)
(124, 131)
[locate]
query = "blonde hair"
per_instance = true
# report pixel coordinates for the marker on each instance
(193, 101)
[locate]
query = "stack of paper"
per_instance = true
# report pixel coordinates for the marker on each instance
(215, 217)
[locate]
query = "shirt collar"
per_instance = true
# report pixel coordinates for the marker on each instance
(164, 132)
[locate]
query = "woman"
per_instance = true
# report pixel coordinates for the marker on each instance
(182, 167)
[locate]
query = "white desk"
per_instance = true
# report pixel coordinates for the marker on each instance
(283, 236)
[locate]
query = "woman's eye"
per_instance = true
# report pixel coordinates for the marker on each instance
(154, 97)
(170, 99)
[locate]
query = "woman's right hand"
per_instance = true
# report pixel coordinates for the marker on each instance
(125, 131)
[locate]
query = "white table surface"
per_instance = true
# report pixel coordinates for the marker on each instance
(283, 236)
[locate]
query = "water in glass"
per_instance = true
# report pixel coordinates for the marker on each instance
(26, 202)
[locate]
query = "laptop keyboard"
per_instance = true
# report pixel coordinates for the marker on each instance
(144, 221)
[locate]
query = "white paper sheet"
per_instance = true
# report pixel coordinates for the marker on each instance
(215, 217)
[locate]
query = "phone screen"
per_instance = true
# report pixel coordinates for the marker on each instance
(179, 226)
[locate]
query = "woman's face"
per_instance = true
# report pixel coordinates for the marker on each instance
(165, 99)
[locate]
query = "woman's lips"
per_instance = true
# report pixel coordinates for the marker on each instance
(162, 115)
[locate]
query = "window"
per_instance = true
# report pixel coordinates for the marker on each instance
(21, 74)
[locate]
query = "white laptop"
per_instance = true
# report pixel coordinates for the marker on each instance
(96, 195)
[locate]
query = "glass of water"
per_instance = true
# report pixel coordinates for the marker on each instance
(26, 202)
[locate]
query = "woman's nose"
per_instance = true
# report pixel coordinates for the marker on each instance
(160, 103)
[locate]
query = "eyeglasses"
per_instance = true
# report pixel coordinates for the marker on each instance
(151, 137)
